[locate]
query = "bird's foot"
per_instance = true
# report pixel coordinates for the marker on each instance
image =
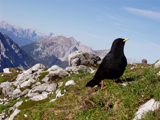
(102, 88)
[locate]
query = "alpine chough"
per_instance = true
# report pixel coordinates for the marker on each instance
(113, 64)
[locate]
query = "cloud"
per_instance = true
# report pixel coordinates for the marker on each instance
(111, 16)
(131, 31)
(146, 13)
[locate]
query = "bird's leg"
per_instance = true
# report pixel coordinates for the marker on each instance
(102, 88)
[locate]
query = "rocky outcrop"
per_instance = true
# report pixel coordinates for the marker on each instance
(83, 58)
(38, 82)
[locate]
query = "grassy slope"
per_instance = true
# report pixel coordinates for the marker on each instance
(115, 102)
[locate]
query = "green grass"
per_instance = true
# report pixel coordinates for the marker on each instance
(115, 102)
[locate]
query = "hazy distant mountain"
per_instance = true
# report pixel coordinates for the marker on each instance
(11, 55)
(57, 46)
(22, 36)
(130, 60)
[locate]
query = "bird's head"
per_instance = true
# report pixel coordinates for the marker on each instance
(118, 45)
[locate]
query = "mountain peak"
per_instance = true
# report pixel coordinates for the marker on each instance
(11, 55)
(22, 36)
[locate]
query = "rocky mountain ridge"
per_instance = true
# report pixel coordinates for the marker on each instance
(59, 46)
(11, 55)
(22, 36)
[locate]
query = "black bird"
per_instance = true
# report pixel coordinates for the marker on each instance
(113, 64)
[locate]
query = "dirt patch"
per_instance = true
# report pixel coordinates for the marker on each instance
(70, 116)
(84, 103)
(117, 105)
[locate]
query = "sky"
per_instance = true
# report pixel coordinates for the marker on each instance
(95, 23)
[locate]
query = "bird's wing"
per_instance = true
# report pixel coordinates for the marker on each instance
(100, 72)
(104, 67)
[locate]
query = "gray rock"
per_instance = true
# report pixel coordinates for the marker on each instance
(7, 88)
(157, 65)
(30, 94)
(55, 72)
(70, 82)
(54, 68)
(24, 92)
(76, 62)
(151, 105)
(37, 67)
(40, 88)
(19, 94)
(36, 84)
(22, 78)
(46, 79)
(3, 101)
(75, 69)
(27, 83)
(51, 87)
(2, 115)
(16, 94)
(15, 106)
(13, 115)
(82, 58)
(42, 96)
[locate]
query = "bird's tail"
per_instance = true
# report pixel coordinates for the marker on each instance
(92, 83)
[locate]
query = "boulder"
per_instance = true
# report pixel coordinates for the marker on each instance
(16, 94)
(40, 88)
(55, 72)
(151, 105)
(6, 70)
(7, 88)
(54, 68)
(38, 97)
(157, 65)
(37, 67)
(27, 83)
(51, 87)
(82, 58)
(31, 94)
(22, 78)
(70, 82)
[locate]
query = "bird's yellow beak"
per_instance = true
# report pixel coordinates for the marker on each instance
(125, 39)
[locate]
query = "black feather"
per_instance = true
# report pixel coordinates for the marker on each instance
(113, 64)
